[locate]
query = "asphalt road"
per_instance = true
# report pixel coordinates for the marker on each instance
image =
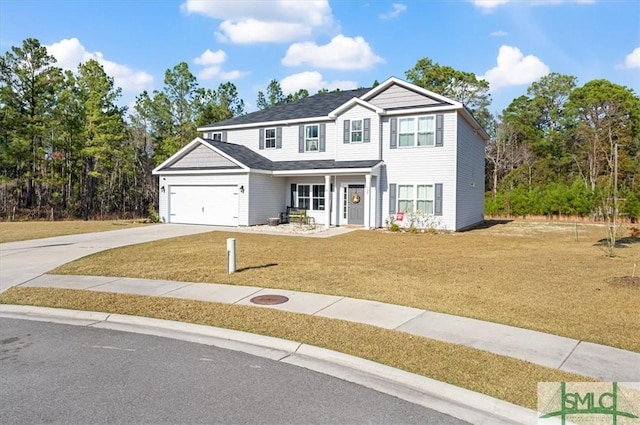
(54, 373)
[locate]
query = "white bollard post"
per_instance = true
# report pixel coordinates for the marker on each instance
(231, 255)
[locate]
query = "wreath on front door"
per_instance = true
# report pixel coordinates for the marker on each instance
(355, 198)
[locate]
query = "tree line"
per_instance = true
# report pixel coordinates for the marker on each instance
(68, 150)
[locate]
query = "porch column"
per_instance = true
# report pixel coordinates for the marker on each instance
(367, 201)
(327, 201)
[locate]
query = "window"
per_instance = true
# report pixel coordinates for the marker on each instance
(405, 198)
(418, 198)
(318, 197)
(311, 197)
(270, 138)
(424, 136)
(217, 136)
(311, 139)
(426, 131)
(356, 131)
(425, 199)
(303, 196)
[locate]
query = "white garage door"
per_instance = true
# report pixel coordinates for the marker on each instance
(215, 205)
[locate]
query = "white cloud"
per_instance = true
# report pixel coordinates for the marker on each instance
(398, 8)
(489, 5)
(246, 21)
(341, 53)
(212, 62)
(633, 59)
(70, 53)
(209, 58)
(499, 33)
(513, 69)
(313, 81)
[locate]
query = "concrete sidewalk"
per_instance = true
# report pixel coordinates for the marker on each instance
(566, 354)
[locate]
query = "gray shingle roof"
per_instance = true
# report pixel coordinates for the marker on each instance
(256, 161)
(243, 154)
(318, 105)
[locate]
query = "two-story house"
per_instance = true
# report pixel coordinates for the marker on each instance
(349, 157)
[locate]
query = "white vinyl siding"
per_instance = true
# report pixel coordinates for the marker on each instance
(202, 156)
(289, 151)
(423, 166)
(470, 169)
(355, 151)
(266, 196)
(400, 97)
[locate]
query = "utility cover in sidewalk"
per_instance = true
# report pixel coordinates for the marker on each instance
(269, 299)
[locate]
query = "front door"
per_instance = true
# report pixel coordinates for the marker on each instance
(355, 204)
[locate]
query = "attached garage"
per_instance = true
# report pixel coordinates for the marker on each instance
(213, 205)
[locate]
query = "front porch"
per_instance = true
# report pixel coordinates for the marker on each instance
(337, 197)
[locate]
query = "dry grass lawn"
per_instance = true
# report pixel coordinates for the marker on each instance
(529, 275)
(25, 230)
(502, 377)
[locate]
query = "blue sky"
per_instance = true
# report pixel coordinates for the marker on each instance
(334, 44)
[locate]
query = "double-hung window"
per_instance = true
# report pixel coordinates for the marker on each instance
(270, 138)
(406, 132)
(415, 198)
(356, 131)
(304, 196)
(426, 131)
(416, 131)
(311, 197)
(311, 138)
(318, 197)
(405, 198)
(424, 199)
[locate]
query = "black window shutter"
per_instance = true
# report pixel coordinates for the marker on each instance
(323, 137)
(224, 136)
(437, 208)
(347, 131)
(261, 138)
(279, 138)
(366, 130)
(293, 194)
(393, 131)
(392, 198)
(301, 138)
(439, 126)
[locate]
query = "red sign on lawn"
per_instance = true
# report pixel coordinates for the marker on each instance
(400, 216)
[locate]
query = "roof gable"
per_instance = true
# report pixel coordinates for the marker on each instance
(431, 98)
(396, 96)
(200, 156)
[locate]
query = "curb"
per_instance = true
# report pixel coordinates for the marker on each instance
(458, 402)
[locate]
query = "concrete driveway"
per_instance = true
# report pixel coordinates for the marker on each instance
(26, 260)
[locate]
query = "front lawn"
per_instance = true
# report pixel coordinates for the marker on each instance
(24, 230)
(522, 274)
